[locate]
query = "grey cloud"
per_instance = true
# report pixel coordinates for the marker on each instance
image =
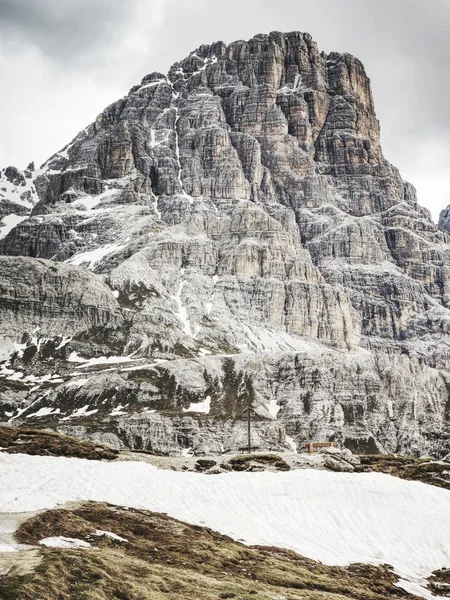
(65, 29)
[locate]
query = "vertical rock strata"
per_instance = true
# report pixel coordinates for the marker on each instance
(242, 218)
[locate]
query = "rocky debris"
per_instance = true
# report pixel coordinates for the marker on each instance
(427, 470)
(257, 462)
(336, 459)
(241, 236)
(204, 464)
(439, 583)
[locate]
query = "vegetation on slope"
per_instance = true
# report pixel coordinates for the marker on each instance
(439, 583)
(433, 472)
(165, 558)
(258, 462)
(25, 440)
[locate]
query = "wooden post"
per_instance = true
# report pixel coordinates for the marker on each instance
(249, 430)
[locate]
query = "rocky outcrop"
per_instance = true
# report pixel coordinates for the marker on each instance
(444, 220)
(239, 207)
(57, 299)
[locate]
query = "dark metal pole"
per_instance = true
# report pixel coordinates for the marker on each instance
(248, 430)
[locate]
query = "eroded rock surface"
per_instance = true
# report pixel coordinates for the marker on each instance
(232, 233)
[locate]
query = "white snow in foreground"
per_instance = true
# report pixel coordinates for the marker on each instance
(64, 542)
(337, 518)
(203, 406)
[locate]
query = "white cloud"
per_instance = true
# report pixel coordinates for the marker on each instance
(44, 106)
(46, 100)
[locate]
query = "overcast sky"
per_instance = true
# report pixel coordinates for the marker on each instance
(62, 62)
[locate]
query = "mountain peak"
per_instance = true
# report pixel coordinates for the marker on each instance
(254, 242)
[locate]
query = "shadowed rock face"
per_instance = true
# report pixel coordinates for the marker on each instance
(444, 220)
(239, 205)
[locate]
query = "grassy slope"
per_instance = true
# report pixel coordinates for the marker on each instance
(26, 440)
(429, 471)
(165, 558)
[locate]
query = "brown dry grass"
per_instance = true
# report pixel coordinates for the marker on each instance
(165, 558)
(26, 440)
(439, 583)
(414, 469)
(253, 462)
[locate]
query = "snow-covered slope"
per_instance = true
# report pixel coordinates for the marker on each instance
(17, 196)
(337, 518)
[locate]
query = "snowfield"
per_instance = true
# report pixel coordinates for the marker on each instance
(336, 518)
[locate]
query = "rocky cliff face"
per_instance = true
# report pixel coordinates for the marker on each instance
(231, 234)
(444, 220)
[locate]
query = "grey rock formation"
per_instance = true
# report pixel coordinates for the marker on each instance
(65, 300)
(231, 234)
(444, 220)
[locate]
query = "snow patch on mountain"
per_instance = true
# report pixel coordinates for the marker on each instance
(92, 257)
(203, 406)
(64, 542)
(9, 222)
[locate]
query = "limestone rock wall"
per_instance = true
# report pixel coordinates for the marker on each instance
(238, 206)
